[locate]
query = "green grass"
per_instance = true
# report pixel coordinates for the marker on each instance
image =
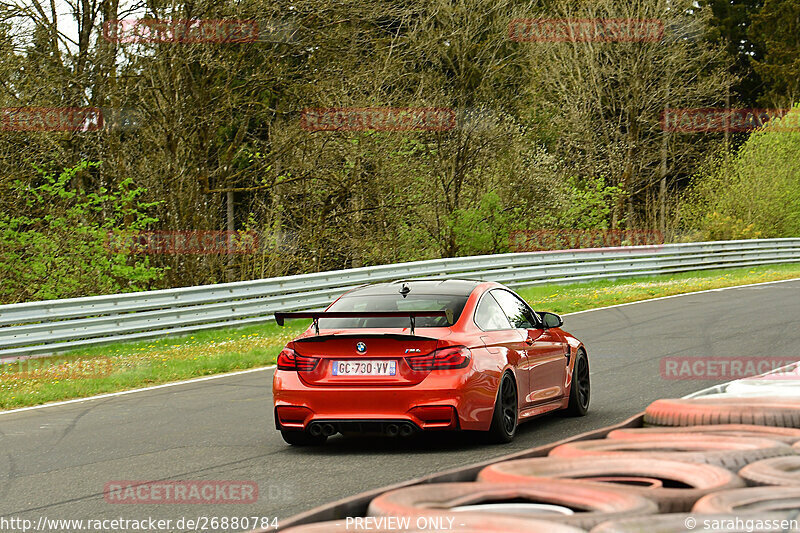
(589, 295)
(118, 367)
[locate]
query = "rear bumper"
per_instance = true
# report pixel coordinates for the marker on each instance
(364, 425)
(390, 427)
(439, 402)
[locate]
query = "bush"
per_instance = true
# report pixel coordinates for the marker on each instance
(755, 194)
(56, 246)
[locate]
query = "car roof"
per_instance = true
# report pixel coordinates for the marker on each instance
(455, 287)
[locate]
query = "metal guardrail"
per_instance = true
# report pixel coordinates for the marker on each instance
(56, 325)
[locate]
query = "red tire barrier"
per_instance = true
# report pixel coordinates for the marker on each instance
(783, 471)
(697, 479)
(636, 481)
(750, 499)
(758, 410)
(594, 503)
(728, 452)
(461, 523)
(680, 523)
(787, 435)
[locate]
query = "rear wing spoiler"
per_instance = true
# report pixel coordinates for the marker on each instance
(316, 315)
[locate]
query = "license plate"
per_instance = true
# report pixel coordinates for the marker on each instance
(364, 368)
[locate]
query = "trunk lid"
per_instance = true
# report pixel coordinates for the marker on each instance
(373, 352)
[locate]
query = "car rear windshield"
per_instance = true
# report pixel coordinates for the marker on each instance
(394, 302)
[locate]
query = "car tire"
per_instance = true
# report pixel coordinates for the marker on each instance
(762, 411)
(750, 499)
(783, 471)
(506, 411)
(787, 435)
(728, 452)
(593, 503)
(580, 390)
(302, 438)
(697, 479)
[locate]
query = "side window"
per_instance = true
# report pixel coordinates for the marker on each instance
(489, 316)
(518, 313)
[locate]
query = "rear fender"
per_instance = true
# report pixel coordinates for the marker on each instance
(480, 394)
(574, 347)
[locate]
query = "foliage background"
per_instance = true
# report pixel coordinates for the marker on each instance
(207, 136)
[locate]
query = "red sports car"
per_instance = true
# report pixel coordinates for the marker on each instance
(407, 356)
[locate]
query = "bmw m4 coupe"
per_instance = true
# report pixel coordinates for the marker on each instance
(423, 355)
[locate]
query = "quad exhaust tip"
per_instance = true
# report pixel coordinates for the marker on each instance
(326, 429)
(400, 430)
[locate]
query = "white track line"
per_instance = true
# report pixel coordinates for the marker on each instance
(682, 294)
(131, 391)
(260, 369)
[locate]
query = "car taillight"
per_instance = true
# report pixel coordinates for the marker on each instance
(288, 359)
(448, 358)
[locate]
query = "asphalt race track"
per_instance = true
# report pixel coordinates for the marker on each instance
(55, 461)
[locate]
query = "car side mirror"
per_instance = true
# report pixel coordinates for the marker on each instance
(551, 320)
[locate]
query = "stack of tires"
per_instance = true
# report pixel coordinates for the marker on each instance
(718, 463)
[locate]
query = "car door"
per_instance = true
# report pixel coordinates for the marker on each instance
(545, 352)
(517, 319)
(499, 335)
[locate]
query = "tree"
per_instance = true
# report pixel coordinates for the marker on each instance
(776, 28)
(730, 25)
(600, 102)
